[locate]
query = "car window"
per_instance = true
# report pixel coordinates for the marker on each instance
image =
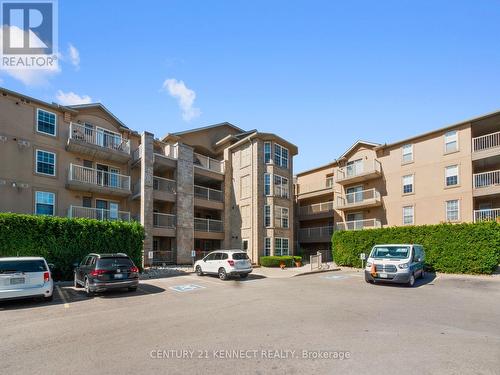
(224, 256)
(84, 261)
(217, 256)
(89, 261)
(12, 266)
(240, 256)
(111, 263)
(210, 256)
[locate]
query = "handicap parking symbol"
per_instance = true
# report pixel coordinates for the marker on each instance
(334, 277)
(186, 287)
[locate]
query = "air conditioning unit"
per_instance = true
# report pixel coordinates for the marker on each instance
(3, 138)
(22, 185)
(23, 144)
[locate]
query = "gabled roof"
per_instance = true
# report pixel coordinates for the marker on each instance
(38, 101)
(356, 144)
(210, 127)
(101, 107)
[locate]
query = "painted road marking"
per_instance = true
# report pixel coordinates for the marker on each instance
(185, 287)
(334, 277)
(63, 297)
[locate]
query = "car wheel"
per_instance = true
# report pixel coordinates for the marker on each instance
(199, 272)
(243, 275)
(132, 289)
(75, 283)
(49, 298)
(222, 273)
(88, 292)
(411, 282)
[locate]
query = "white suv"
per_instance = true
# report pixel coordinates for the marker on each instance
(224, 263)
(24, 277)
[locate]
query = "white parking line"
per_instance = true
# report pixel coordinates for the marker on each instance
(63, 296)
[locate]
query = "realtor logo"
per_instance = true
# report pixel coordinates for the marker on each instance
(29, 35)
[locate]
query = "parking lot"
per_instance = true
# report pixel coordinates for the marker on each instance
(322, 323)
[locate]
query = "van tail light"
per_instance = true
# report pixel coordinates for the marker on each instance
(46, 277)
(97, 272)
(231, 262)
(134, 269)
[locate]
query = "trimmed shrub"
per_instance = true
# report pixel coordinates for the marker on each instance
(64, 241)
(274, 261)
(453, 248)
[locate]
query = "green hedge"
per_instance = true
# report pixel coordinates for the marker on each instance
(64, 241)
(274, 261)
(452, 248)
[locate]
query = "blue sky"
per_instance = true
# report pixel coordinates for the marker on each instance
(375, 70)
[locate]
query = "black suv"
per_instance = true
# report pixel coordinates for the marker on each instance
(100, 272)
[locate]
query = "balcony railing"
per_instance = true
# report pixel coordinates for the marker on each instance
(487, 179)
(358, 197)
(136, 154)
(161, 220)
(168, 151)
(164, 184)
(163, 257)
(359, 224)
(317, 233)
(97, 213)
(98, 137)
(79, 173)
(206, 162)
(208, 193)
(485, 142)
(208, 225)
(314, 187)
(359, 169)
(316, 208)
(487, 214)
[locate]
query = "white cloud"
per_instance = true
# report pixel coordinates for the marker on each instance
(70, 98)
(185, 98)
(74, 56)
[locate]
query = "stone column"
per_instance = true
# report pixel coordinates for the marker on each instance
(185, 203)
(147, 194)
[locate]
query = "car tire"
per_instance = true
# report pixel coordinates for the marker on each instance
(222, 273)
(199, 272)
(49, 298)
(368, 280)
(75, 283)
(132, 289)
(88, 292)
(243, 275)
(411, 281)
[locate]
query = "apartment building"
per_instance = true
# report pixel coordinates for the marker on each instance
(203, 189)
(447, 175)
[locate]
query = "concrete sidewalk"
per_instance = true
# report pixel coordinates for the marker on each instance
(278, 273)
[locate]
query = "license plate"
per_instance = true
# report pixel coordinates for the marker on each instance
(382, 275)
(119, 276)
(17, 280)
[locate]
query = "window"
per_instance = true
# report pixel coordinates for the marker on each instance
(280, 246)
(408, 215)
(267, 246)
(44, 203)
(281, 188)
(267, 152)
(267, 216)
(45, 162)
(267, 184)
(281, 217)
(329, 181)
(244, 246)
(408, 184)
(451, 175)
(45, 122)
(452, 210)
(280, 156)
(407, 153)
(451, 141)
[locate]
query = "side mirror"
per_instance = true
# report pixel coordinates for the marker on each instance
(204, 259)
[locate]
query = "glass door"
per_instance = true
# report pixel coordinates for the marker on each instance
(113, 211)
(101, 209)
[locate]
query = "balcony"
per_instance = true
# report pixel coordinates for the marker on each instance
(97, 181)
(486, 146)
(208, 228)
(165, 157)
(208, 198)
(360, 199)
(97, 213)
(314, 189)
(316, 211)
(164, 189)
(486, 183)
(208, 167)
(98, 143)
(487, 215)
(359, 172)
(359, 224)
(318, 234)
(163, 225)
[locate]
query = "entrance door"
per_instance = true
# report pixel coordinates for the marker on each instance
(354, 194)
(356, 220)
(113, 211)
(101, 209)
(114, 180)
(102, 174)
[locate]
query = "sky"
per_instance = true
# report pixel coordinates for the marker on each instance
(321, 74)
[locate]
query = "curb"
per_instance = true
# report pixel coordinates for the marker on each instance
(318, 271)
